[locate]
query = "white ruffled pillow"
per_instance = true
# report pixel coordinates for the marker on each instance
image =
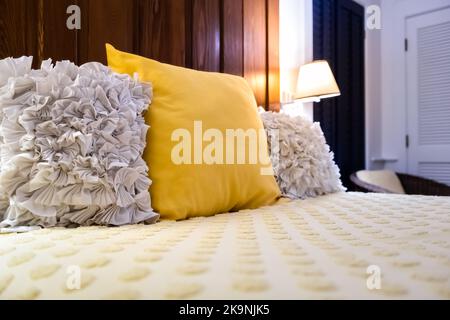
(71, 144)
(302, 161)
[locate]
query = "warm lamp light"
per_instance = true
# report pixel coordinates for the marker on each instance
(315, 82)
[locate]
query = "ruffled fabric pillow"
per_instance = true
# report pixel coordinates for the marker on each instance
(71, 144)
(302, 161)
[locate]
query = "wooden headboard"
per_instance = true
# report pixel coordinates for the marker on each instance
(232, 36)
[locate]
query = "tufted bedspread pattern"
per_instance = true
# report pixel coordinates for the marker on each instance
(312, 249)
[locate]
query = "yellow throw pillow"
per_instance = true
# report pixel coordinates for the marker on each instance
(206, 147)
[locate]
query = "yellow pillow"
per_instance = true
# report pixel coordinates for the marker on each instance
(197, 165)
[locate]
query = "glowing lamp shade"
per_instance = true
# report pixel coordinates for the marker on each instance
(316, 81)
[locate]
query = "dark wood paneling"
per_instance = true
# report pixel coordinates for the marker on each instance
(232, 37)
(162, 30)
(255, 48)
(18, 28)
(206, 35)
(105, 21)
(273, 55)
(59, 43)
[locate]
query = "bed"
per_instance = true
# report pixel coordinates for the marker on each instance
(321, 248)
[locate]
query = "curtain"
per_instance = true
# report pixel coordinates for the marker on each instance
(338, 36)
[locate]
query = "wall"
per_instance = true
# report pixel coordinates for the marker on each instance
(385, 72)
(393, 121)
(296, 49)
(386, 82)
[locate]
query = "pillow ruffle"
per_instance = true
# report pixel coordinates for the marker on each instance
(71, 144)
(302, 161)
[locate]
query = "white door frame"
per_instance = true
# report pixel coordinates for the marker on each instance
(421, 153)
(393, 71)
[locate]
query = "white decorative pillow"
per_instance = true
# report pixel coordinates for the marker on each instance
(302, 161)
(71, 144)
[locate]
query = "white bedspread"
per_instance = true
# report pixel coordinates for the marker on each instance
(314, 249)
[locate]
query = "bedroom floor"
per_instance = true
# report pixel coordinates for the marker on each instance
(312, 249)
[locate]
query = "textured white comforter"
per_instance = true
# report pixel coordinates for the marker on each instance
(313, 249)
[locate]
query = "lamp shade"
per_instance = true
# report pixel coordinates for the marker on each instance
(316, 81)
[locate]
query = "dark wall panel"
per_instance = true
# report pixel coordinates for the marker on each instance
(19, 28)
(273, 55)
(104, 21)
(58, 42)
(233, 36)
(161, 30)
(206, 35)
(255, 48)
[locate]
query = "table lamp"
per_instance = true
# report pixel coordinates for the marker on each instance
(316, 82)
